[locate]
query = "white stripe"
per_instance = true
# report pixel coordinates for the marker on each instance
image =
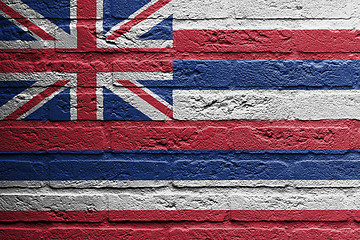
(141, 76)
(165, 195)
(44, 78)
(103, 79)
(73, 98)
(260, 14)
(99, 103)
(266, 104)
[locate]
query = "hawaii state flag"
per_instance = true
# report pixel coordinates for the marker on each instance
(174, 119)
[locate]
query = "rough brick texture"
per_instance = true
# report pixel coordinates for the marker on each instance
(262, 100)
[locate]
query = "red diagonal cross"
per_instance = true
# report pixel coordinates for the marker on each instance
(86, 60)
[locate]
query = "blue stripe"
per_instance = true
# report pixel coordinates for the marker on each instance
(178, 165)
(266, 74)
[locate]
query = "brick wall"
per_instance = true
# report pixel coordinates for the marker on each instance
(242, 125)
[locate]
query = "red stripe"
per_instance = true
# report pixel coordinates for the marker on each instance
(86, 96)
(147, 97)
(36, 100)
(181, 224)
(179, 135)
(25, 22)
(86, 24)
(139, 18)
(190, 44)
(276, 41)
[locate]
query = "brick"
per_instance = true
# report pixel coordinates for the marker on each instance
(291, 201)
(315, 233)
(169, 215)
(291, 215)
(345, 41)
(305, 9)
(266, 104)
(10, 170)
(168, 201)
(98, 170)
(16, 233)
(52, 202)
(221, 41)
(53, 216)
(116, 184)
(106, 233)
(325, 169)
(227, 170)
(199, 10)
(51, 138)
(291, 138)
(22, 184)
(156, 138)
(228, 233)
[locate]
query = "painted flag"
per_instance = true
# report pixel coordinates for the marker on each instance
(173, 119)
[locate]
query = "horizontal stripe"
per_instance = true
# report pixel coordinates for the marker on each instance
(139, 76)
(178, 135)
(325, 44)
(266, 104)
(182, 215)
(256, 14)
(178, 165)
(264, 74)
(171, 227)
(252, 41)
(170, 198)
